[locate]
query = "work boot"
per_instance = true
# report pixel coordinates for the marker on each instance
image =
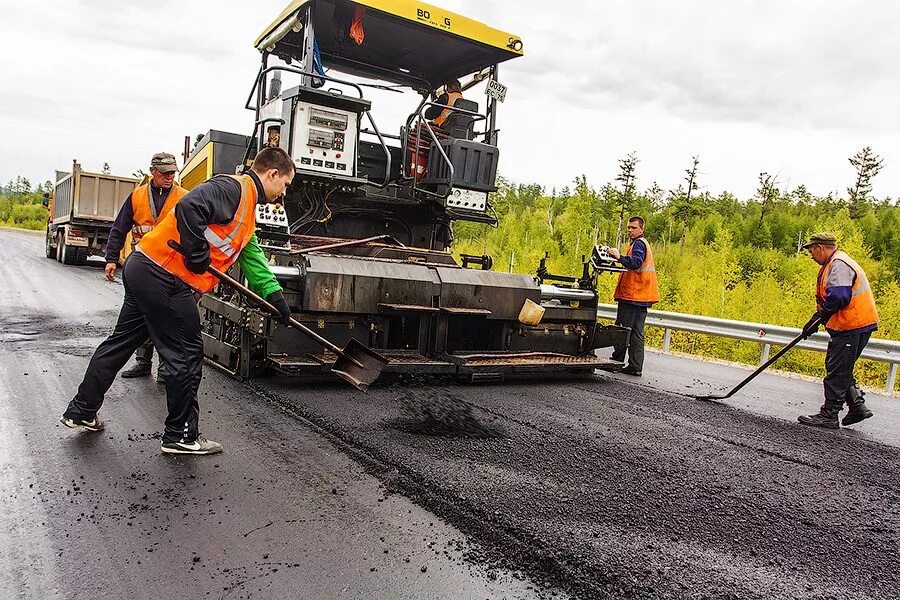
(141, 368)
(856, 414)
(827, 417)
(199, 446)
(630, 371)
(161, 374)
(856, 400)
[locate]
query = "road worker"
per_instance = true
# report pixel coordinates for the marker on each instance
(452, 94)
(636, 291)
(215, 226)
(845, 305)
(144, 207)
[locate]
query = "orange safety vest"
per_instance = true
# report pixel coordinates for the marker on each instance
(639, 285)
(225, 241)
(452, 97)
(861, 311)
(144, 210)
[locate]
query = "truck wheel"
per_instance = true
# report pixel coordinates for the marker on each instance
(68, 255)
(81, 256)
(59, 246)
(49, 248)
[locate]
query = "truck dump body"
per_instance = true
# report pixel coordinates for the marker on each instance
(80, 195)
(83, 211)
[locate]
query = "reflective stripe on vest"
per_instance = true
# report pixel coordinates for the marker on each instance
(639, 285)
(452, 97)
(143, 209)
(861, 310)
(225, 241)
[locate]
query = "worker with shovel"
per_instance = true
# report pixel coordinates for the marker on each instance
(846, 306)
(214, 226)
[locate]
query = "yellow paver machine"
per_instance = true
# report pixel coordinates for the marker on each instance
(361, 243)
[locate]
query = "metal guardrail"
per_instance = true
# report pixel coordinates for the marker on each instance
(766, 335)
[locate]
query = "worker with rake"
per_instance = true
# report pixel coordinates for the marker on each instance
(845, 304)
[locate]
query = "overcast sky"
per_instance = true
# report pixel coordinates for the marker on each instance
(792, 88)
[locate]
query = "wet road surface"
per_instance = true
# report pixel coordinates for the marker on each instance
(282, 513)
(598, 487)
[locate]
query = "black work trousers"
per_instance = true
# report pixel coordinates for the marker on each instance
(840, 359)
(631, 316)
(162, 306)
(144, 352)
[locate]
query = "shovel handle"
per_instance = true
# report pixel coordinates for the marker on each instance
(237, 285)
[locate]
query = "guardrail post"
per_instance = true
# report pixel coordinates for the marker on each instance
(891, 379)
(667, 340)
(764, 356)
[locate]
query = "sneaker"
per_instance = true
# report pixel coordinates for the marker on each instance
(630, 371)
(94, 424)
(140, 369)
(199, 446)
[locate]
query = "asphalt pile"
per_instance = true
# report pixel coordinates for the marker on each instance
(438, 412)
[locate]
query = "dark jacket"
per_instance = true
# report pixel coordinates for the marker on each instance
(216, 202)
(125, 221)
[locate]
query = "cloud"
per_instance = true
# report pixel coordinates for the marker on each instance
(770, 63)
(749, 85)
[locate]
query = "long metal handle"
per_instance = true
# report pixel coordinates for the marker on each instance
(270, 307)
(803, 335)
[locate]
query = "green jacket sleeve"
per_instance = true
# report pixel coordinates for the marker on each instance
(255, 267)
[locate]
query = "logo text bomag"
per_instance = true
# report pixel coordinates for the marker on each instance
(425, 15)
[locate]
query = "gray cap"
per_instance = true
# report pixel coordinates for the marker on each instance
(164, 162)
(821, 239)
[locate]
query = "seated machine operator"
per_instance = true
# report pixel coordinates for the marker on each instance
(438, 116)
(452, 94)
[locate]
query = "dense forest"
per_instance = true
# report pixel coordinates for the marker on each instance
(716, 255)
(20, 204)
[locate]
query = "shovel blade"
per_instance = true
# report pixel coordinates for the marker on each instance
(708, 398)
(359, 377)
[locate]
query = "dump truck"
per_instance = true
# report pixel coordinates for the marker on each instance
(83, 209)
(361, 242)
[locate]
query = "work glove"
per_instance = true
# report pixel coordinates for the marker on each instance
(812, 325)
(277, 300)
(197, 266)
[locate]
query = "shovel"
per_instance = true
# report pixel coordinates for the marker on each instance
(356, 364)
(803, 335)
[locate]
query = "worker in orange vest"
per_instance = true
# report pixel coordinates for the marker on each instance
(215, 225)
(452, 94)
(845, 305)
(636, 291)
(144, 207)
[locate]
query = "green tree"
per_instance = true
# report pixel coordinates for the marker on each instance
(867, 165)
(627, 178)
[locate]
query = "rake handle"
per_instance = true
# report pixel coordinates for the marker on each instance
(803, 335)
